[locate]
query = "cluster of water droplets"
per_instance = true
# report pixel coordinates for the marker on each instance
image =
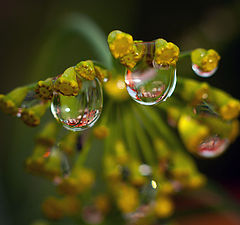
(77, 113)
(149, 83)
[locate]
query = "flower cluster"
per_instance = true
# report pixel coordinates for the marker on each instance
(132, 162)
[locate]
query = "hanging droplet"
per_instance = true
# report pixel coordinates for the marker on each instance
(201, 73)
(217, 139)
(212, 146)
(149, 83)
(204, 62)
(80, 112)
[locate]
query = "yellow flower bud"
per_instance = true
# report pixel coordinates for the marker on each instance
(127, 199)
(67, 83)
(166, 53)
(192, 132)
(44, 89)
(164, 207)
(131, 59)
(101, 131)
(206, 60)
(120, 43)
(31, 116)
(86, 70)
(9, 103)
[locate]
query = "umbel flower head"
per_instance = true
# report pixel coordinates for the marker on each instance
(132, 162)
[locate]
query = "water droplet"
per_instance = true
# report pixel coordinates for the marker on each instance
(149, 83)
(201, 73)
(212, 146)
(217, 140)
(80, 112)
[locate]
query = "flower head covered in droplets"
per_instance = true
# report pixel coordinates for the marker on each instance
(132, 162)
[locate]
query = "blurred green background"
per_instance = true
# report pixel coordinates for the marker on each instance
(25, 28)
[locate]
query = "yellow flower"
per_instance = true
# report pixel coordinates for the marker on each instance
(230, 110)
(67, 83)
(116, 89)
(9, 103)
(44, 89)
(127, 199)
(164, 207)
(192, 132)
(86, 70)
(234, 131)
(196, 181)
(120, 152)
(101, 131)
(131, 59)
(166, 53)
(85, 178)
(31, 116)
(101, 73)
(120, 43)
(207, 60)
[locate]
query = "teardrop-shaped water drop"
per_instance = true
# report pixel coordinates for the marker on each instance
(80, 112)
(149, 83)
(217, 141)
(201, 73)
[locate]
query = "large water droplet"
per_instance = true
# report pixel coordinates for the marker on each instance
(201, 73)
(80, 112)
(149, 83)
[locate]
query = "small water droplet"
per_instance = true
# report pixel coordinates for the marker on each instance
(149, 83)
(212, 147)
(77, 113)
(201, 73)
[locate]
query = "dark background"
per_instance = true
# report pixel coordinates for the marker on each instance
(24, 28)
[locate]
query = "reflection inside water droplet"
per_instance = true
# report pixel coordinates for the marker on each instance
(201, 73)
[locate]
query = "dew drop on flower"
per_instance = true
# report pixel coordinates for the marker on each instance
(212, 147)
(77, 113)
(201, 73)
(149, 83)
(217, 141)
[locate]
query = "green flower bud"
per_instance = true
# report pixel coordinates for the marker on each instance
(31, 116)
(44, 89)
(47, 135)
(86, 70)
(9, 103)
(67, 83)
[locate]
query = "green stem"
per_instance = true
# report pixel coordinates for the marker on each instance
(185, 54)
(129, 133)
(143, 141)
